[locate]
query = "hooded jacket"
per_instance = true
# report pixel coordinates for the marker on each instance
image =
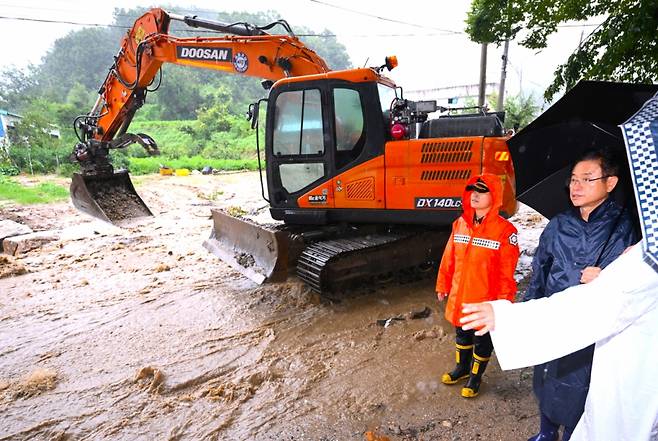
(479, 260)
(567, 245)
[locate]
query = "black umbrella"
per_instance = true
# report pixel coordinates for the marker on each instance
(585, 117)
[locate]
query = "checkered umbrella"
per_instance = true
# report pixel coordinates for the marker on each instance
(641, 138)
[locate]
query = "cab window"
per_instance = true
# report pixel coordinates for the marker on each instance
(296, 176)
(386, 97)
(349, 126)
(298, 128)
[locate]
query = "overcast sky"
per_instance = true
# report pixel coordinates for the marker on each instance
(427, 37)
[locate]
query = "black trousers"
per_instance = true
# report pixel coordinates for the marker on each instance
(483, 344)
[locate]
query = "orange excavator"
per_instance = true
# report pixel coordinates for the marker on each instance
(366, 184)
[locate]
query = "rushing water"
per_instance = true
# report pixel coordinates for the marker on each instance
(148, 336)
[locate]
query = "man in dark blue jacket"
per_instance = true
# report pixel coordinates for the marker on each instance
(573, 249)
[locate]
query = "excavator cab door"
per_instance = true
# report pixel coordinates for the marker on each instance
(318, 135)
(360, 176)
(297, 145)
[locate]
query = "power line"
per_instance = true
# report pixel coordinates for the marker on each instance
(176, 9)
(43, 20)
(354, 11)
(378, 17)
(210, 11)
(201, 31)
(195, 11)
(583, 25)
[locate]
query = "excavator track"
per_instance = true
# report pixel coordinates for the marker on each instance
(331, 264)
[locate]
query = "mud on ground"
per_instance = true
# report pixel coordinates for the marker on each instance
(139, 333)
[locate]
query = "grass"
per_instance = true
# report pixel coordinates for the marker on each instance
(143, 166)
(171, 140)
(43, 193)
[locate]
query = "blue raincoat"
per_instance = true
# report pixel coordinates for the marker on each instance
(567, 246)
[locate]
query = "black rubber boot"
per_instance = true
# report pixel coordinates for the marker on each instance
(548, 431)
(472, 388)
(463, 357)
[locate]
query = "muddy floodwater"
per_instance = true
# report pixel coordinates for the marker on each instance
(138, 333)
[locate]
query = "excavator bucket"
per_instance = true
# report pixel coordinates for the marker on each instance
(259, 252)
(111, 198)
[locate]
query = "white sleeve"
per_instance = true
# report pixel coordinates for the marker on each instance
(537, 331)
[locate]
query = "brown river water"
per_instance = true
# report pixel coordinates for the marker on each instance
(138, 333)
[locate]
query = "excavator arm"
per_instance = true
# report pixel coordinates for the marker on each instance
(246, 50)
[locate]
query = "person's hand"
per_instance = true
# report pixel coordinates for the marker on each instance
(441, 295)
(590, 273)
(480, 316)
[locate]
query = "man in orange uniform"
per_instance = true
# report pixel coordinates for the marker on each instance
(478, 265)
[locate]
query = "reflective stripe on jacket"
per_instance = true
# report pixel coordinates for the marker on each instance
(479, 260)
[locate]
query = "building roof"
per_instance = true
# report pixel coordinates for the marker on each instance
(8, 113)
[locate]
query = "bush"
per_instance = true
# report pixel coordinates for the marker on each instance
(38, 158)
(67, 169)
(9, 170)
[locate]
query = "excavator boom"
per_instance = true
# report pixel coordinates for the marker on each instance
(249, 51)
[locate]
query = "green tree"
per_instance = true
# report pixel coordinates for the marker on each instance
(32, 147)
(80, 97)
(520, 109)
(623, 48)
(215, 118)
(17, 88)
(179, 95)
(82, 57)
(327, 47)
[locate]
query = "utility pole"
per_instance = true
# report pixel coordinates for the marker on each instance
(483, 74)
(503, 74)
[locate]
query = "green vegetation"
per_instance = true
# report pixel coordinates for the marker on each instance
(44, 192)
(520, 109)
(622, 48)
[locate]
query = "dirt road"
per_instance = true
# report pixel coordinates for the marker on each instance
(138, 333)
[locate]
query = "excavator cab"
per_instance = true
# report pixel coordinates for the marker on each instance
(318, 131)
(314, 129)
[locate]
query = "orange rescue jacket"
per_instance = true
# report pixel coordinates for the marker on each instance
(479, 260)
